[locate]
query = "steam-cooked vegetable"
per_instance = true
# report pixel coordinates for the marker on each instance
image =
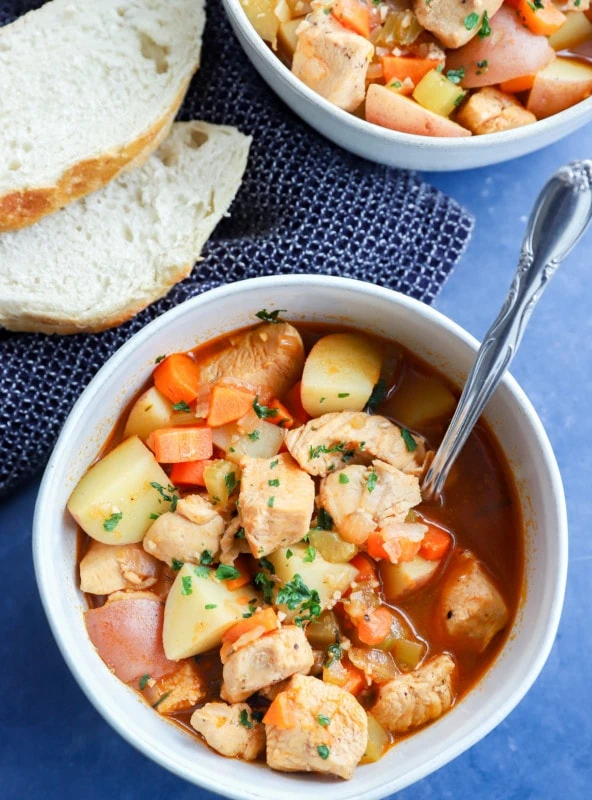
(332, 547)
(324, 631)
(420, 399)
(378, 741)
(250, 436)
(199, 609)
(221, 479)
(339, 374)
(261, 15)
(151, 411)
(438, 93)
(400, 579)
(114, 501)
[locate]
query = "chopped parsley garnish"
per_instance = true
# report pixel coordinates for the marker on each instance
(323, 720)
(343, 478)
(264, 412)
(153, 516)
(111, 522)
(343, 394)
(410, 442)
(485, 29)
(266, 564)
(257, 716)
(395, 85)
(271, 501)
(227, 573)
(160, 699)
(310, 554)
(209, 606)
(274, 464)
(323, 751)
(202, 572)
(270, 316)
(324, 520)
(296, 594)
(182, 406)
(322, 399)
(247, 614)
(240, 534)
(377, 397)
(289, 553)
(459, 100)
(230, 481)
(176, 565)
(471, 21)
(254, 436)
(334, 653)
(143, 682)
(315, 452)
(167, 494)
(267, 586)
(274, 482)
(244, 720)
(158, 359)
(186, 587)
(206, 558)
(372, 480)
(482, 66)
(456, 75)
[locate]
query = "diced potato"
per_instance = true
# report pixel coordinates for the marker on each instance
(565, 82)
(323, 631)
(151, 411)
(576, 30)
(339, 374)
(332, 547)
(378, 741)
(317, 574)
(400, 579)
(220, 478)
(408, 653)
(198, 610)
(114, 500)
(261, 15)
(287, 35)
(420, 399)
(251, 437)
(299, 8)
(438, 94)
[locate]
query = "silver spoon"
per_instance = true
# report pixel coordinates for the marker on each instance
(559, 218)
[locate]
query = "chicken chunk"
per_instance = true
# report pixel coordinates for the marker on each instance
(412, 699)
(276, 502)
(471, 609)
(310, 743)
(491, 111)
(361, 499)
(233, 542)
(332, 440)
(179, 691)
(332, 60)
(231, 730)
(269, 659)
(184, 534)
(448, 19)
(108, 568)
(269, 359)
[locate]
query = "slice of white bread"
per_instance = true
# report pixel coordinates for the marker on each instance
(86, 88)
(100, 260)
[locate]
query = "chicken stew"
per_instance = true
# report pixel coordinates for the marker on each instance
(258, 561)
(436, 67)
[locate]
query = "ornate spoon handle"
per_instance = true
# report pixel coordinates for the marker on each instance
(559, 218)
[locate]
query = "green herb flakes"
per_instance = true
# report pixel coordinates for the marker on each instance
(227, 573)
(176, 565)
(471, 21)
(153, 516)
(485, 29)
(310, 554)
(202, 572)
(230, 481)
(206, 558)
(410, 442)
(371, 481)
(289, 554)
(343, 478)
(274, 482)
(343, 394)
(111, 522)
(209, 606)
(167, 494)
(158, 359)
(270, 316)
(271, 501)
(244, 720)
(186, 587)
(266, 564)
(264, 412)
(456, 75)
(266, 585)
(254, 436)
(377, 397)
(182, 406)
(143, 682)
(334, 653)
(323, 751)
(323, 720)
(274, 464)
(240, 534)
(160, 699)
(324, 520)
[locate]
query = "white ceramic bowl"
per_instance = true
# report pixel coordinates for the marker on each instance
(391, 147)
(443, 344)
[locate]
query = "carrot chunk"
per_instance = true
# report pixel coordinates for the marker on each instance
(353, 14)
(541, 17)
(515, 85)
(227, 404)
(242, 565)
(267, 618)
(435, 544)
(189, 473)
(375, 626)
(293, 402)
(283, 418)
(173, 445)
(280, 713)
(366, 569)
(177, 377)
(375, 546)
(355, 679)
(397, 68)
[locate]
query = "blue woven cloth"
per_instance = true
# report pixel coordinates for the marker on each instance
(305, 206)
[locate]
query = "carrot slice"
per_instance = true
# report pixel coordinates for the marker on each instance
(177, 377)
(267, 618)
(541, 17)
(375, 626)
(189, 473)
(397, 68)
(173, 445)
(435, 544)
(280, 713)
(293, 402)
(283, 418)
(375, 546)
(353, 14)
(515, 85)
(366, 569)
(242, 565)
(227, 404)
(355, 680)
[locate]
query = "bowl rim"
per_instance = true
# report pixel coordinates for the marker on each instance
(45, 498)
(364, 128)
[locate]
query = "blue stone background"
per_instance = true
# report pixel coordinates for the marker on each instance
(53, 743)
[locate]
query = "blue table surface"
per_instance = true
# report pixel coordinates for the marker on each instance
(52, 741)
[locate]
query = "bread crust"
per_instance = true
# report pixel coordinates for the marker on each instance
(23, 208)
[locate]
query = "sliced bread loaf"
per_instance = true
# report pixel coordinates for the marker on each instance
(100, 260)
(86, 88)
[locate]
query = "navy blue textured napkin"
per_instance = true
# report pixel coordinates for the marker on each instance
(305, 206)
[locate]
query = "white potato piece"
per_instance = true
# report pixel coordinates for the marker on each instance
(198, 610)
(327, 578)
(151, 411)
(406, 576)
(261, 15)
(287, 35)
(113, 502)
(339, 374)
(250, 436)
(561, 85)
(576, 30)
